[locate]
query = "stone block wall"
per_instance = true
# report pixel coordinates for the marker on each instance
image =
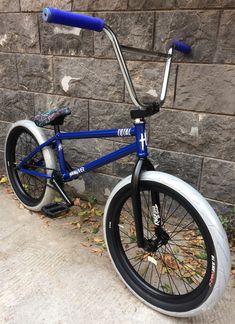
(193, 137)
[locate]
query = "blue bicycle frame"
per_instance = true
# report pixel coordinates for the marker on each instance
(138, 131)
(143, 110)
(139, 146)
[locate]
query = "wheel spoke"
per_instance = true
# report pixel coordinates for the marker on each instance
(31, 186)
(174, 268)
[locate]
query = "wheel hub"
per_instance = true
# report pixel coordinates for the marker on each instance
(152, 245)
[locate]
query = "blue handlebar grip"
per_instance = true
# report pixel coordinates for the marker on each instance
(57, 16)
(181, 47)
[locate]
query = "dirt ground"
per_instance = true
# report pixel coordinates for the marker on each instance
(51, 272)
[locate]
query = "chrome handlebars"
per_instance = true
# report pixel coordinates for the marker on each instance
(128, 81)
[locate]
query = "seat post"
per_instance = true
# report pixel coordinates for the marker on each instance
(56, 128)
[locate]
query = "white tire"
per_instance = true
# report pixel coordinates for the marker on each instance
(218, 235)
(48, 156)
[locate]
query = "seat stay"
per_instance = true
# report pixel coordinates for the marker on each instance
(49, 142)
(35, 173)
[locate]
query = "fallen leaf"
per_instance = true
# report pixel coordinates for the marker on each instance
(73, 223)
(46, 222)
(97, 251)
(77, 202)
(86, 244)
(98, 240)
(82, 213)
(58, 199)
(9, 191)
(95, 230)
(89, 205)
(3, 180)
(98, 213)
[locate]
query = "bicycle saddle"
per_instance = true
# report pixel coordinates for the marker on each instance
(52, 117)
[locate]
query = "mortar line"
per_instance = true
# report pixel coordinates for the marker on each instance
(118, 102)
(189, 154)
(39, 35)
(112, 59)
(134, 10)
(17, 72)
(73, 57)
(217, 34)
(53, 74)
(175, 84)
(154, 30)
(200, 175)
(88, 115)
(220, 201)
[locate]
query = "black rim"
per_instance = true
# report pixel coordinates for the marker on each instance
(30, 189)
(179, 271)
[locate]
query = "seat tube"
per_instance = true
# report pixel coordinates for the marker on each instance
(141, 138)
(60, 153)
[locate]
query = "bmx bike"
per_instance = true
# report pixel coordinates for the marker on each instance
(164, 239)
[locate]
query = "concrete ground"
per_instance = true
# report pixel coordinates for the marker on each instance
(47, 276)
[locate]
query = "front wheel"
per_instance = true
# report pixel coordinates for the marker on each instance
(187, 267)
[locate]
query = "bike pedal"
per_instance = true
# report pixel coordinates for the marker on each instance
(54, 209)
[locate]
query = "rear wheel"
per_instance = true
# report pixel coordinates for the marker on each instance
(32, 190)
(177, 273)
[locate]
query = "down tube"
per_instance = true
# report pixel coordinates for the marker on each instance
(124, 151)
